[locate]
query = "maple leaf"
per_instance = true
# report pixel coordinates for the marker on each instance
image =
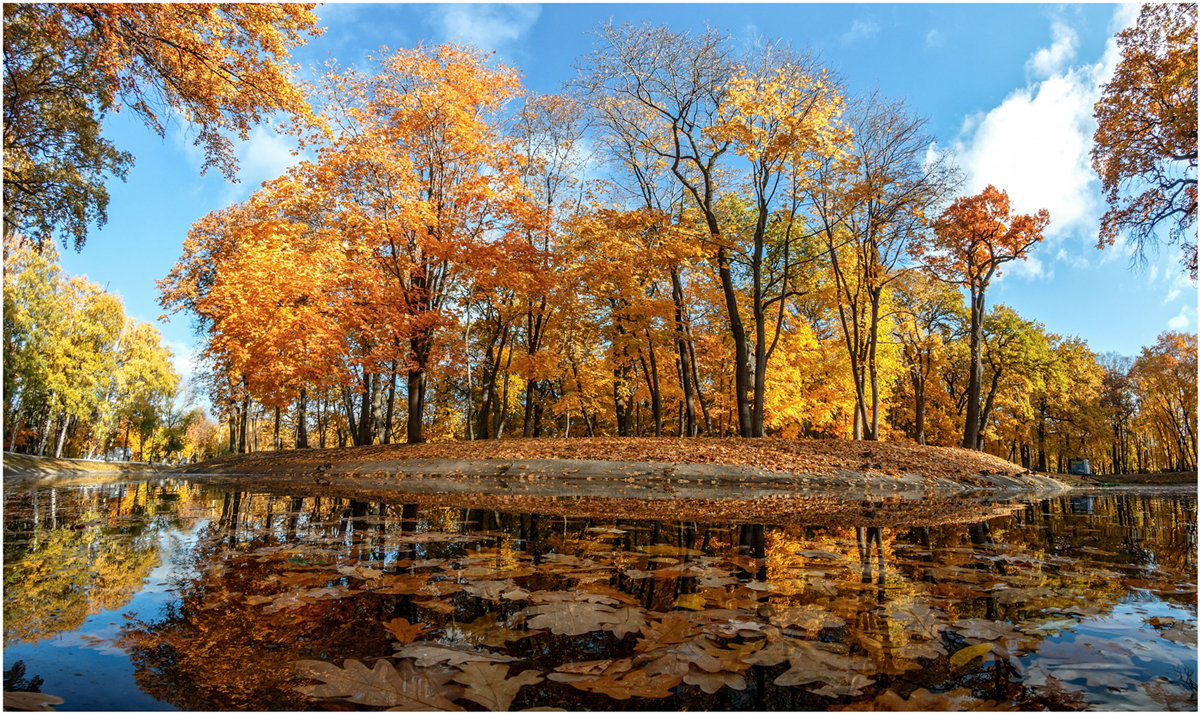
(489, 685)
(403, 630)
(429, 653)
(385, 685)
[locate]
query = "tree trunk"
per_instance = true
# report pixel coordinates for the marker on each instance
(276, 442)
(741, 364)
(302, 420)
(391, 407)
(41, 451)
(416, 404)
(62, 438)
(970, 438)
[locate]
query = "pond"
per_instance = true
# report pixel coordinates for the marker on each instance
(178, 594)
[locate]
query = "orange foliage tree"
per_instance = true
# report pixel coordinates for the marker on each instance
(973, 238)
(1145, 143)
(223, 67)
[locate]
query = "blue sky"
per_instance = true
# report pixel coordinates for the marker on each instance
(1008, 88)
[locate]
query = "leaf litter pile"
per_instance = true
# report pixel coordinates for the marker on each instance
(346, 605)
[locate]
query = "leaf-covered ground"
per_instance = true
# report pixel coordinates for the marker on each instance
(824, 457)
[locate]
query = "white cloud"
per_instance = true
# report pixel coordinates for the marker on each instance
(266, 155)
(1035, 145)
(933, 38)
(861, 30)
(1183, 319)
(1051, 60)
(489, 27)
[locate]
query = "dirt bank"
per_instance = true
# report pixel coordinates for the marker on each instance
(644, 467)
(32, 467)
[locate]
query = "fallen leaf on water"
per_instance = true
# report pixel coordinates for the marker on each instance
(400, 687)
(690, 601)
(405, 631)
(851, 686)
(637, 683)
(712, 682)
(595, 667)
(959, 699)
(489, 684)
(571, 618)
(31, 701)
(967, 654)
(429, 653)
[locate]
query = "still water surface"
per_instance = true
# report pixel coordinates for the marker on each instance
(174, 595)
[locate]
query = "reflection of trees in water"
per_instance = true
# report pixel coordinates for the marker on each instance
(215, 650)
(71, 553)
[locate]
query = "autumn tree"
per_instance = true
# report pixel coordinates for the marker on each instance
(973, 238)
(925, 313)
(1144, 147)
(222, 67)
(697, 108)
(1165, 378)
(548, 133)
(869, 206)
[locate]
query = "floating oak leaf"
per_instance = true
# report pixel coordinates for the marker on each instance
(430, 653)
(489, 685)
(31, 701)
(405, 631)
(360, 572)
(625, 620)
(806, 617)
(637, 683)
(712, 682)
(669, 629)
(956, 700)
(488, 630)
(543, 597)
(407, 584)
(595, 668)
(385, 685)
(845, 686)
(496, 589)
(441, 606)
(571, 618)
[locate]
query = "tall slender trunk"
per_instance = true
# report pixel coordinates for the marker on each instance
(302, 420)
(970, 438)
(741, 354)
(391, 406)
(652, 383)
(62, 437)
(276, 442)
(689, 408)
(708, 427)
(41, 451)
